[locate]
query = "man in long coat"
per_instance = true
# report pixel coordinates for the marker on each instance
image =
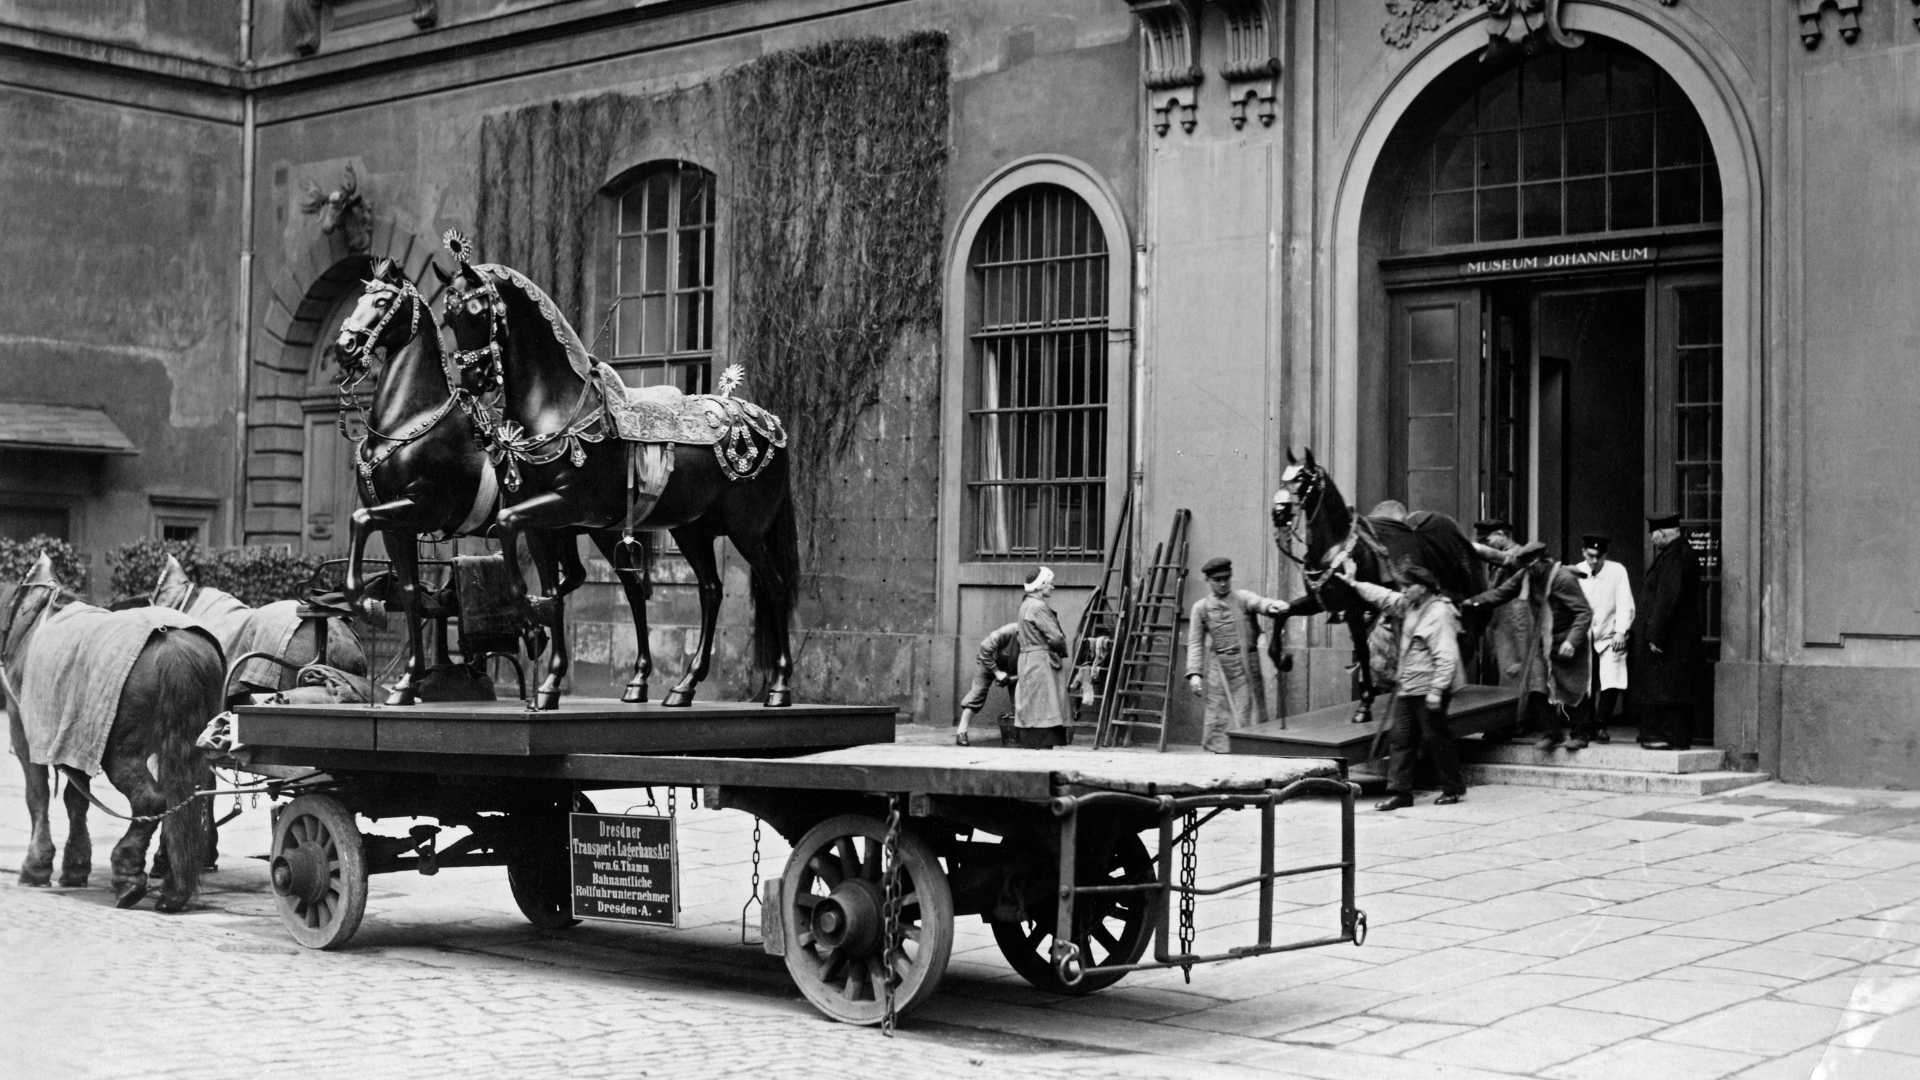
(1040, 693)
(1223, 665)
(1667, 647)
(1611, 597)
(1557, 667)
(1505, 638)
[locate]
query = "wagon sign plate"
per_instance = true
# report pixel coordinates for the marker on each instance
(626, 868)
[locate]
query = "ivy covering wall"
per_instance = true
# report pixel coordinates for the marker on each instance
(834, 197)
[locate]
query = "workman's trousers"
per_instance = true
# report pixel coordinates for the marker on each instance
(1574, 720)
(1417, 728)
(1668, 723)
(976, 698)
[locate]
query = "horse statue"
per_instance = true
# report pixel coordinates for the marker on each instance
(420, 468)
(576, 449)
(1308, 501)
(95, 691)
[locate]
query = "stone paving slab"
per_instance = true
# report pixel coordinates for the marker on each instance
(1765, 934)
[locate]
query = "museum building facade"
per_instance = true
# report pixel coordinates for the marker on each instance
(1011, 266)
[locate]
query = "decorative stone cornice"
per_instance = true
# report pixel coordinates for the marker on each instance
(1530, 24)
(1252, 69)
(1170, 32)
(1849, 15)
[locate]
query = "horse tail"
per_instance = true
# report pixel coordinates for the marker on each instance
(773, 593)
(184, 695)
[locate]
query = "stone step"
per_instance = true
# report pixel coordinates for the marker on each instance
(1617, 781)
(1627, 756)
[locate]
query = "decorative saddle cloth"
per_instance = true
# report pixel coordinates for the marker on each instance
(743, 435)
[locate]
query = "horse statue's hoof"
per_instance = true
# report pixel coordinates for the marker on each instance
(677, 698)
(129, 892)
(546, 700)
(402, 695)
(634, 695)
(779, 699)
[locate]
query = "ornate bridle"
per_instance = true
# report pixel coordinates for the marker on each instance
(483, 299)
(358, 358)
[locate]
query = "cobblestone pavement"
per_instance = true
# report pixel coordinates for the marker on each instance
(1773, 932)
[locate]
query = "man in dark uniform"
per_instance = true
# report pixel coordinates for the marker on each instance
(1667, 646)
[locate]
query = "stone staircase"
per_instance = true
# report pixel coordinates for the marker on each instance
(1620, 767)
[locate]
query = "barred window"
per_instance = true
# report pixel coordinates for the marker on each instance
(1697, 438)
(663, 275)
(1037, 421)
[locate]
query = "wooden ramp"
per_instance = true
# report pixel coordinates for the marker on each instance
(1331, 732)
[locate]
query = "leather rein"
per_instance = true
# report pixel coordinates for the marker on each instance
(1311, 483)
(412, 430)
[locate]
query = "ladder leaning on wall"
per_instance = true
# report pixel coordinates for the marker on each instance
(1145, 667)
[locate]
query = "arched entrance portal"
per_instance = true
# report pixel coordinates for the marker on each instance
(1541, 289)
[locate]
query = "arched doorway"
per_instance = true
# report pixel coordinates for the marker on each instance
(1541, 296)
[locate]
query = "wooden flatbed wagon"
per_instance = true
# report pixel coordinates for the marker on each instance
(890, 842)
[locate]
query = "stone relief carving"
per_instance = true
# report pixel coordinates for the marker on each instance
(1510, 23)
(1409, 20)
(302, 26)
(1171, 30)
(1848, 12)
(426, 14)
(343, 208)
(1252, 70)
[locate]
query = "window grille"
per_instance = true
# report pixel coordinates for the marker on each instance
(663, 270)
(1592, 140)
(1037, 426)
(1697, 438)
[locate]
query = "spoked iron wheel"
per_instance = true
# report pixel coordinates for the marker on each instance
(539, 869)
(1113, 928)
(834, 895)
(318, 867)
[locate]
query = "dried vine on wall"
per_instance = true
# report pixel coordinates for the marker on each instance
(834, 188)
(839, 165)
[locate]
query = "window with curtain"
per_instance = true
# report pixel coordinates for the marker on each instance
(663, 279)
(1591, 140)
(1037, 417)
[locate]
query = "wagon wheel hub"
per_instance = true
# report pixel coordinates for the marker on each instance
(301, 871)
(849, 920)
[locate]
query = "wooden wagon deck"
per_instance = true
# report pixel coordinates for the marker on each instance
(1331, 733)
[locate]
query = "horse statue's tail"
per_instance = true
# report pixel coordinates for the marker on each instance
(184, 696)
(773, 599)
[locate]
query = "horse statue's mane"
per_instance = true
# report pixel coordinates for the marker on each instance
(516, 286)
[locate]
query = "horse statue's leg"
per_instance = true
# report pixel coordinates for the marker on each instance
(1359, 625)
(551, 612)
(404, 553)
(631, 573)
(774, 557)
(37, 867)
(695, 541)
(76, 859)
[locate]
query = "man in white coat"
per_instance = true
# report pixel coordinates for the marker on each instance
(1611, 597)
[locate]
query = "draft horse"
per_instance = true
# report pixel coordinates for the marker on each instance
(420, 468)
(170, 692)
(1310, 507)
(559, 450)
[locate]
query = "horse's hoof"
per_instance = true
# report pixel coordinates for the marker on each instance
(677, 698)
(128, 893)
(37, 879)
(779, 699)
(635, 695)
(546, 700)
(73, 879)
(169, 903)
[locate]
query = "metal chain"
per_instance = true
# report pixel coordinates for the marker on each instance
(1189, 842)
(890, 875)
(673, 797)
(753, 889)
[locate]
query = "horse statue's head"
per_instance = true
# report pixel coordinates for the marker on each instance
(375, 329)
(476, 315)
(1304, 481)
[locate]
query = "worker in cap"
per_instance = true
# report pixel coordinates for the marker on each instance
(1223, 665)
(1422, 630)
(1668, 651)
(1611, 597)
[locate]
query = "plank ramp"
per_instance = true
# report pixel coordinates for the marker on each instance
(1330, 732)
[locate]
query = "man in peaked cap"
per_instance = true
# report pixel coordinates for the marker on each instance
(1667, 645)
(1223, 666)
(1610, 596)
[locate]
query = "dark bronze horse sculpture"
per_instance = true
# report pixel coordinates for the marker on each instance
(171, 691)
(1308, 500)
(557, 445)
(420, 469)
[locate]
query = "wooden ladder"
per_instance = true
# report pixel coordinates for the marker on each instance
(1146, 668)
(1101, 618)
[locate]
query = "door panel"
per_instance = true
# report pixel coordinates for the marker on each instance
(1436, 350)
(1686, 443)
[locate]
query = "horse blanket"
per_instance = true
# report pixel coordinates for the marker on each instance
(75, 668)
(241, 629)
(743, 435)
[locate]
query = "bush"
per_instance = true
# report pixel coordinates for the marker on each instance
(17, 558)
(256, 575)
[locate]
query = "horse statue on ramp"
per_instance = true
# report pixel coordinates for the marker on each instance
(576, 449)
(91, 691)
(1309, 502)
(420, 468)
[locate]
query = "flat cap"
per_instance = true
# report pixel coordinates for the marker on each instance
(1217, 566)
(1493, 525)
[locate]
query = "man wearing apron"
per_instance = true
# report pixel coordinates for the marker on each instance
(1222, 664)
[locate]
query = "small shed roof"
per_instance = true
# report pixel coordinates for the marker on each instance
(25, 426)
